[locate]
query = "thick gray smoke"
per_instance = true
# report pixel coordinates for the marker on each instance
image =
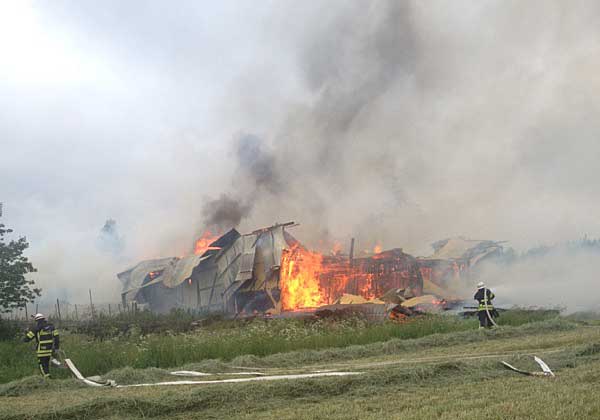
(397, 123)
(224, 213)
(256, 166)
(564, 277)
(255, 176)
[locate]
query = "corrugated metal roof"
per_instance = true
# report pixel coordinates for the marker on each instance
(246, 266)
(456, 248)
(134, 277)
(232, 260)
(176, 274)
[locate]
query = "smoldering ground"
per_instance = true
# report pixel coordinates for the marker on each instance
(392, 122)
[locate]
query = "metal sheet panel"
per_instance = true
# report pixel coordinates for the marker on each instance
(279, 244)
(246, 266)
(133, 278)
(176, 274)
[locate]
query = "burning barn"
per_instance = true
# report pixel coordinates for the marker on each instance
(229, 274)
(267, 270)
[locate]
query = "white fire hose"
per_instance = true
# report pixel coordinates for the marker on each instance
(487, 311)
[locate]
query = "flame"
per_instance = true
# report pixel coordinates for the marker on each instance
(308, 279)
(377, 249)
(300, 286)
(367, 291)
(203, 243)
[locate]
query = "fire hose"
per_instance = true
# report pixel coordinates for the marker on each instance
(487, 311)
(58, 359)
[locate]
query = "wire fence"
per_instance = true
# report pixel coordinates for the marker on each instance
(66, 311)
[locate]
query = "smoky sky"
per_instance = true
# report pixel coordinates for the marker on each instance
(397, 123)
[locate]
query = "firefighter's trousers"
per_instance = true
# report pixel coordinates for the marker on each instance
(44, 363)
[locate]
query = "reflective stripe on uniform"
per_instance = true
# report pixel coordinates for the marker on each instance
(486, 304)
(30, 334)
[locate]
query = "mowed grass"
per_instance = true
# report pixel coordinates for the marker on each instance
(456, 386)
(228, 340)
(223, 341)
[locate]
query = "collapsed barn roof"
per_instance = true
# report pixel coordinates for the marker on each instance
(133, 278)
(449, 270)
(464, 249)
(240, 274)
(207, 282)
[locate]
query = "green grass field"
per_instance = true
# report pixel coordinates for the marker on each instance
(448, 372)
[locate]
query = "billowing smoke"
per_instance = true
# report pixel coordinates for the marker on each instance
(397, 123)
(255, 177)
(224, 213)
(564, 276)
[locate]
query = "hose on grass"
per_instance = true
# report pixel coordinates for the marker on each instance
(487, 311)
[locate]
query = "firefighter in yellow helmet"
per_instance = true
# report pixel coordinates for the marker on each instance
(47, 339)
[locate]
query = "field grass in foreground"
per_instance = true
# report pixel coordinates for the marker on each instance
(224, 341)
(227, 340)
(443, 376)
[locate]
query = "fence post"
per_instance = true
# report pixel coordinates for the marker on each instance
(109, 311)
(76, 314)
(91, 304)
(58, 310)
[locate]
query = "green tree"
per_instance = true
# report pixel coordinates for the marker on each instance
(15, 289)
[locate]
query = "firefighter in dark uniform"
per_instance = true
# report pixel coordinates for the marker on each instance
(485, 311)
(46, 337)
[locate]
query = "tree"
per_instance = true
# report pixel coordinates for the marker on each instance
(15, 289)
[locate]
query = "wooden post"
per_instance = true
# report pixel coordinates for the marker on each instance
(26, 314)
(353, 280)
(109, 311)
(91, 304)
(58, 309)
(76, 314)
(36, 308)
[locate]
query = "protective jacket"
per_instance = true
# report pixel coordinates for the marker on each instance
(484, 296)
(46, 337)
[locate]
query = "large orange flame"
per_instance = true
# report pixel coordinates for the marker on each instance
(203, 243)
(299, 279)
(309, 279)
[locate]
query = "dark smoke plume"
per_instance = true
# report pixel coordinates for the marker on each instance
(255, 177)
(224, 212)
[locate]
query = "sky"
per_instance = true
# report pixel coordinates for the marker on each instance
(398, 123)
